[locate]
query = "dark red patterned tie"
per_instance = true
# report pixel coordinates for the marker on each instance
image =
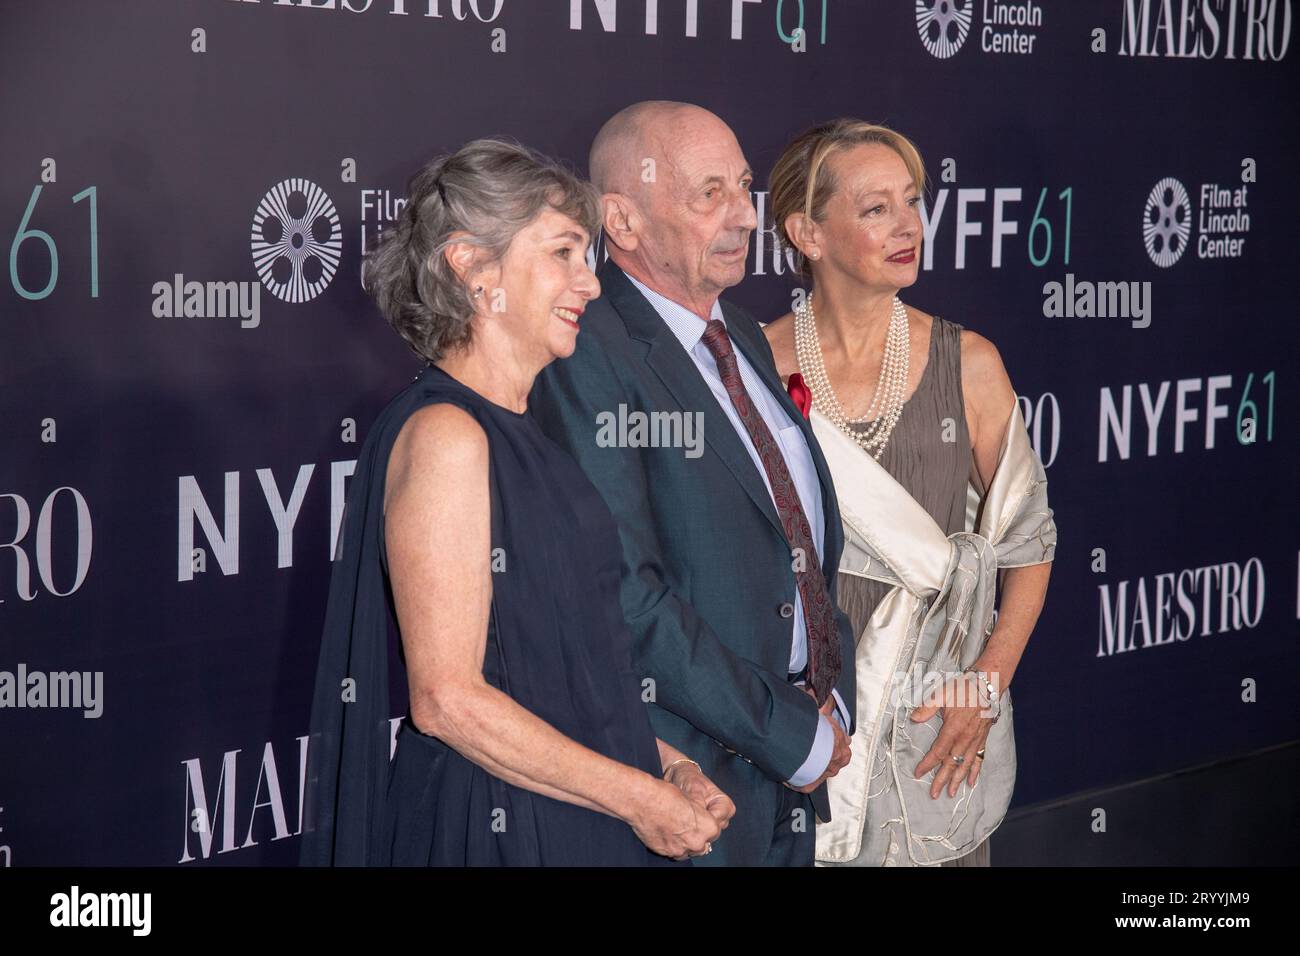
(823, 634)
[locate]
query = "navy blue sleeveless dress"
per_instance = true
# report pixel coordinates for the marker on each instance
(557, 644)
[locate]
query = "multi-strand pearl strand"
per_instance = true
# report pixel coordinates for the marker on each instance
(890, 387)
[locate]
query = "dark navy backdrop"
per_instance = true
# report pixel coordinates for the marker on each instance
(120, 424)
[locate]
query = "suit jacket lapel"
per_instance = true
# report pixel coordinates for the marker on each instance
(677, 371)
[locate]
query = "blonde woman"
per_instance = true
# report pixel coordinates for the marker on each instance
(917, 417)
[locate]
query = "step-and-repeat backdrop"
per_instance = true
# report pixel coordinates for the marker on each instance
(188, 362)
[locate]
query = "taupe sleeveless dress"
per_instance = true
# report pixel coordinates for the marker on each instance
(934, 472)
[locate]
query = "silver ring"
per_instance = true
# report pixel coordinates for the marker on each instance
(958, 759)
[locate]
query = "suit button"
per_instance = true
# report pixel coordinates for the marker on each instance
(786, 609)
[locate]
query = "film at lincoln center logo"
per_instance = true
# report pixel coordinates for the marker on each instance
(943, 25)
(297, 240)
(1167, 222)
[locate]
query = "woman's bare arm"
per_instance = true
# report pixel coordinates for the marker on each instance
(989, 400)
(438, 532)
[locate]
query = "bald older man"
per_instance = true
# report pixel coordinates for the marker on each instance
(730, 546)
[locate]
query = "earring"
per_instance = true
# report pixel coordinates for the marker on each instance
(814, 255)
(478, 291)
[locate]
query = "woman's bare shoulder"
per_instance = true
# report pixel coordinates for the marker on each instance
(985, 383)
(981, 362)
(435, 445)
(441, 432)
(917, 319)
(920, 325)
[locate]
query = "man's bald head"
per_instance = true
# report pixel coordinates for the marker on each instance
(684, 229)
(645, 130)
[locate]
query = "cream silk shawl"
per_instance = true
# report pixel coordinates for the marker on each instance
(944, 588)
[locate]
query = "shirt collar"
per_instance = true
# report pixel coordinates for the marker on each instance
(684, 324)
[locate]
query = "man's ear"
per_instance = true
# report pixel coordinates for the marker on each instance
(621, 221)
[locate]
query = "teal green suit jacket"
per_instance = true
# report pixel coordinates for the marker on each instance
(707, 580)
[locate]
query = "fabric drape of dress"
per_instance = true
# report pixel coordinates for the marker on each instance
(929, 458)
(934, 472)
(557, 644)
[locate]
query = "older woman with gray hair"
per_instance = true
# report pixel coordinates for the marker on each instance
(526, 740)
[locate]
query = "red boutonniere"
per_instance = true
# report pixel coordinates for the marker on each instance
(800, 393)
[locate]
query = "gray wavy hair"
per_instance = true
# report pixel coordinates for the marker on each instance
(490, 189)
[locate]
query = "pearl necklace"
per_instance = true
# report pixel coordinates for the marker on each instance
(889, 387)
